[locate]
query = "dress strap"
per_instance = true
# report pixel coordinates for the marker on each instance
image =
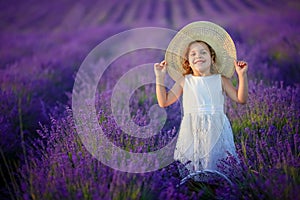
(224, 93)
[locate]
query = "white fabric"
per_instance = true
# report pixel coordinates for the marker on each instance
(205, 134)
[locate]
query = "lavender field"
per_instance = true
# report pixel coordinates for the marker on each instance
(44, 43)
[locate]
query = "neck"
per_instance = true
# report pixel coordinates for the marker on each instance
(202, 74)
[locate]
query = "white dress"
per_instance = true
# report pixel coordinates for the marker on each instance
(205, 134)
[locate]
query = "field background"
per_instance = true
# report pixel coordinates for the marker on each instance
(42, 45)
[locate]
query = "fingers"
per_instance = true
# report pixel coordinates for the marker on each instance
(160, 65)
(157, 65)
(163, 63)
(160, 69)
(241, 64)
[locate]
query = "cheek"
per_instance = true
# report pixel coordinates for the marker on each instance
(209, 58)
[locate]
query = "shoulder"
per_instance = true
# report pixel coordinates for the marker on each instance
(225, 80)
(182, 80)
(186, 79)
(228, 86)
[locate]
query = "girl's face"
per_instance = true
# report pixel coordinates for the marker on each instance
(200, 59)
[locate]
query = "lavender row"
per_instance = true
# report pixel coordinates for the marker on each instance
(266, 139)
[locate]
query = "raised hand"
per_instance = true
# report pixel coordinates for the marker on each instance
(160, 69)
(241, 67)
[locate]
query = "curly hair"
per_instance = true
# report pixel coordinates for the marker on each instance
(186, 64)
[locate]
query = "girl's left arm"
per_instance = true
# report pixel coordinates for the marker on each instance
(240, 94)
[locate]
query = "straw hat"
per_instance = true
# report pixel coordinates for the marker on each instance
(212, 34)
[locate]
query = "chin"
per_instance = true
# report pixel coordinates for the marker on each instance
(201, 69)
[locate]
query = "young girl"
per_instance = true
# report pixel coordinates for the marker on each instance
(205, 135)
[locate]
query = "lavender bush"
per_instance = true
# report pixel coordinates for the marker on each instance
(42, 47)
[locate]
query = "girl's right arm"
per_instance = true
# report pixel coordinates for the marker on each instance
(165, 98)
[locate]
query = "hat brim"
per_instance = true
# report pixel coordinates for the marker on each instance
(212, 34)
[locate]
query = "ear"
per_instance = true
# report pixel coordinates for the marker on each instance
(213, 58)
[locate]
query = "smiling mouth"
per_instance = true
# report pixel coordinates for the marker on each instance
(199, 61)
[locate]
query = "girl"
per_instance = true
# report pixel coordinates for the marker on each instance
(196, 62)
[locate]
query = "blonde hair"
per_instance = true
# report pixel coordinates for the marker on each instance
(186, 65)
